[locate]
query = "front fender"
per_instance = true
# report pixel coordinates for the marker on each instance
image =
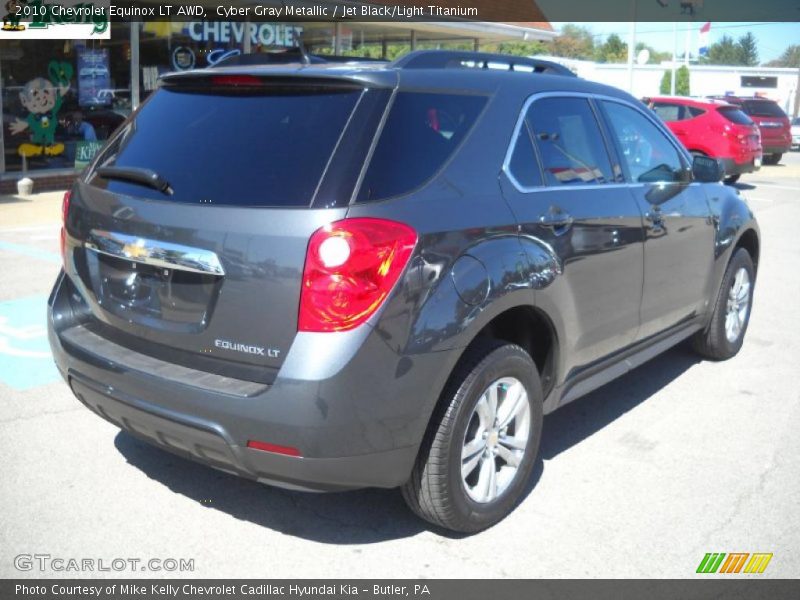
(732, 218)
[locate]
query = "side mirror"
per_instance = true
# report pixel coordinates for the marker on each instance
(706, 169)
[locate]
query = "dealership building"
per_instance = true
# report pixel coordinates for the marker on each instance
(100, 81)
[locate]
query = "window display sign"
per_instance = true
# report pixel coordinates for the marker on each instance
(85, 152)
(266, 34)
(94, 78)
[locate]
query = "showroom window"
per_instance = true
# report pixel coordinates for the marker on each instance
(62, 98)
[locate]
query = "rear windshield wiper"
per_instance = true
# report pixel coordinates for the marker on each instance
(138, 175)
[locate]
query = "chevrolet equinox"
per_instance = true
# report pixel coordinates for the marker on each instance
(328, 276)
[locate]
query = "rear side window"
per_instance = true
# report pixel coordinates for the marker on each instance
(266, 148)
(734, 115)
(421, 133)
(763, 108)
(695, 112)
(570, 142)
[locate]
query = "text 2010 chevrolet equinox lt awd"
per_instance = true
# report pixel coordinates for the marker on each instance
(334, 276)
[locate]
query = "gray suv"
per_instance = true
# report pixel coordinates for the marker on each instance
(335, 276)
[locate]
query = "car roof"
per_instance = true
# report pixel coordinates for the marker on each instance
(691, 101)
(405, 74)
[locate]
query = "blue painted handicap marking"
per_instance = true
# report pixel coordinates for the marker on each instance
(25, 359)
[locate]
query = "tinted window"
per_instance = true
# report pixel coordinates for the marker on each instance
(668, 112)
(257, 149)
(734, 115)
(763, 108)
(420, 134)
(695, 112)
(524, 166)
(647, 152)
(569, 140)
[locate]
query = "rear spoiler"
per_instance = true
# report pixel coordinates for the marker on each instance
(258, 79)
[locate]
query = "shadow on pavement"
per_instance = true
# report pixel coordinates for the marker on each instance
(15, 200)
(579, 420)
(373, 515)
(358, 517)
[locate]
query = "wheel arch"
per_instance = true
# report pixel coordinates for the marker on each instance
(749, 241)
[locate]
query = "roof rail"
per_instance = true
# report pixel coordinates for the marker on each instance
(455, 59)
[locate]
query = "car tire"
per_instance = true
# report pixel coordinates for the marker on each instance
(460, 482)
(731, 179)
(772, 159)
(724, 335)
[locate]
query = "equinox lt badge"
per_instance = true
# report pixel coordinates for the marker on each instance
(247, 348)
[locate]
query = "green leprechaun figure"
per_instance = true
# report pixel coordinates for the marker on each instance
(11, 22)
(43, 98)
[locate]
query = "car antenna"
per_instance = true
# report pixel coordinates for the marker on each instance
(302, 47)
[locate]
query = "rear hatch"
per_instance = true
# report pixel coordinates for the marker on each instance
(743, 133)
(771, 120)
(187, 236)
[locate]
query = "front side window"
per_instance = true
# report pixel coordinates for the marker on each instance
(647, 152)
(570, 142)
(668, 112)
(523, 166)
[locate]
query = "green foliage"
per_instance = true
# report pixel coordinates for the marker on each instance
(666, 83)
(574, 42)
(614, 50)
(726, 51)
(682, 81)
(748, 50)
(789, 58)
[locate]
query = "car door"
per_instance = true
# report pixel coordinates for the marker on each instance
(679, 244)
(568, 196)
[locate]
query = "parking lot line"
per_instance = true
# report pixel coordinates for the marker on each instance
(30, 252)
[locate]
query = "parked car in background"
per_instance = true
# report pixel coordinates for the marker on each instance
(712, 128)
(776, 136)
(796, 132)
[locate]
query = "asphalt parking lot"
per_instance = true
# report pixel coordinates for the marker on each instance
(640, 479)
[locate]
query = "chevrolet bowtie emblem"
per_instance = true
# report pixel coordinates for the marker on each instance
(134, 251)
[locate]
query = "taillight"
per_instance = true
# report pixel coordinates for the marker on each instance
(236, 80)
(64, 213)
(351, 266)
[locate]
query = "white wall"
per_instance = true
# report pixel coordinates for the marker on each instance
(703, 80)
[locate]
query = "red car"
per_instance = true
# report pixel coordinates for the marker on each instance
(713, 128)
(776, 131)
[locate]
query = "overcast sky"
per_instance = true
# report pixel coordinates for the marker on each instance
(773, 38)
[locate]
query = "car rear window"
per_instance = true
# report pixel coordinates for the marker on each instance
(263, 148)
(763, 108)
(420, 134)
(734, 115)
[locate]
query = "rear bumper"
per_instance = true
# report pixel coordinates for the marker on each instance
(731, 167)
(777, 148)
(356, 423)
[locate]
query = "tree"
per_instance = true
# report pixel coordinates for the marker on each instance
(574, 42)
(666, 83)
(789, 58)
(682, 81)
(724, 52)
(748, 50)
(656, 56)
(614, 50)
